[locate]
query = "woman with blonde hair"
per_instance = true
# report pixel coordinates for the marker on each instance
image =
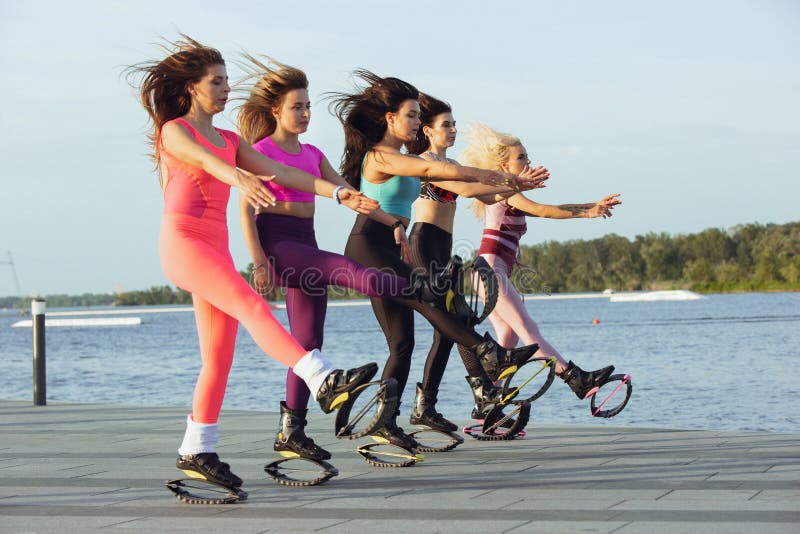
(198, 165)
(504, 226)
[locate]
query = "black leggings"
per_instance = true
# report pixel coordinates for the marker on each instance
(372, 244)
(431, 248)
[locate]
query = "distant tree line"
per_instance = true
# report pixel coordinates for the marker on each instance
(750, 257)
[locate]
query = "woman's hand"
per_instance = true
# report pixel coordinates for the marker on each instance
(532, 178)
(401, 239)
(603, 208)
(356, 201)
(496, 178)
(263, 278)
(253, 189)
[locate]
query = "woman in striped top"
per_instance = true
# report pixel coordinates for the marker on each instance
(504, 226)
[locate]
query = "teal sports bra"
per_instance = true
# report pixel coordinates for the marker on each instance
(395, 194)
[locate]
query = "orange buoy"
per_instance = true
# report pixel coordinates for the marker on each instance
(596, 321)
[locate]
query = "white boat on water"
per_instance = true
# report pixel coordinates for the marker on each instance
(88, 321)
(654, 296)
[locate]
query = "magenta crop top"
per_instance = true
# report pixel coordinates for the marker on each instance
(308, 159)
(191, 190)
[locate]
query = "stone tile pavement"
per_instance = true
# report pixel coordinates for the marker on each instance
(97, 468)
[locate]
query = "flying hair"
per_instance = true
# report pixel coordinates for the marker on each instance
(273, 80)
(164, 84)
(488, 149)
(363, 116)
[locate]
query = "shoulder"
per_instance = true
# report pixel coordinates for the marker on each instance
(265, 146)
(317, 153)
(454, 162)
(178, 125)
(229, 135)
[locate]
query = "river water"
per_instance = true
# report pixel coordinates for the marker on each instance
(723, 362)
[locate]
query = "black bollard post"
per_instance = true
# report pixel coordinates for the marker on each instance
(39, 366)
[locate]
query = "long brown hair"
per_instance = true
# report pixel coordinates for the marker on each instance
(274, 79)
(429, 108)
(363, 116)
(164, 87)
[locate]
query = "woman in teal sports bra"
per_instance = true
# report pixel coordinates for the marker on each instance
(378, 121)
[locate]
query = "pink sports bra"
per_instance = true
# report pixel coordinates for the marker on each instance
(308, 159)
(191, 190)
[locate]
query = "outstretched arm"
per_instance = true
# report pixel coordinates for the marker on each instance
(177, 142)
(390, 163)
(286, 176)
(525, 181)
(565, 211)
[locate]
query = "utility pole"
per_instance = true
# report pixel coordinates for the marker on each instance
(10, 262)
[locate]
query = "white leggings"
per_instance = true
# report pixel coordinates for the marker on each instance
(510, 319)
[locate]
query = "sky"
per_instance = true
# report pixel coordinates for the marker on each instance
(689, 109)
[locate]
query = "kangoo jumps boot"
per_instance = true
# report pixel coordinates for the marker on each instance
(291, 437)
(584, 383)
(449, 278)
(496, 359)
(439, 288)
(393, 434)
(207, 466)
(336, 387)
(486, 395)
(424, 412)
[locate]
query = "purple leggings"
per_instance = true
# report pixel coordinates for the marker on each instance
(306, 272)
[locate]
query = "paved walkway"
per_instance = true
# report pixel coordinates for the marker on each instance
(86, 468)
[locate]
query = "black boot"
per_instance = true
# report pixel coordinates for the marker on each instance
(496, 359)
(486, 395)
(292, 438)
(436, 288)
(340, 383)
(583, 382)
(424, 412)
(391, 433)
(449, 278)
(207, 466)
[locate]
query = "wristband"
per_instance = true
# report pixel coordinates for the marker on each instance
(336, 194)
(397, 223)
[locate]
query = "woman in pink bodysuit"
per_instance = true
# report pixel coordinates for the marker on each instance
(198, 165)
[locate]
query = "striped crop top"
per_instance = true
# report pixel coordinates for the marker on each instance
(503, 227)
(308, 159)
(192, 191)
(433, 192)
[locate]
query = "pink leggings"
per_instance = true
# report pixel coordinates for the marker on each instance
(510, 319)
(195, 257)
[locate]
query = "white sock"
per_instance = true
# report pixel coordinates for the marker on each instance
(199, 437)
(313, 368)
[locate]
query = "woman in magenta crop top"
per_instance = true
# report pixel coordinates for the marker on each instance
(198, 165)
(282, 242)
(281, 237)
(504, 226)
(378, 121)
